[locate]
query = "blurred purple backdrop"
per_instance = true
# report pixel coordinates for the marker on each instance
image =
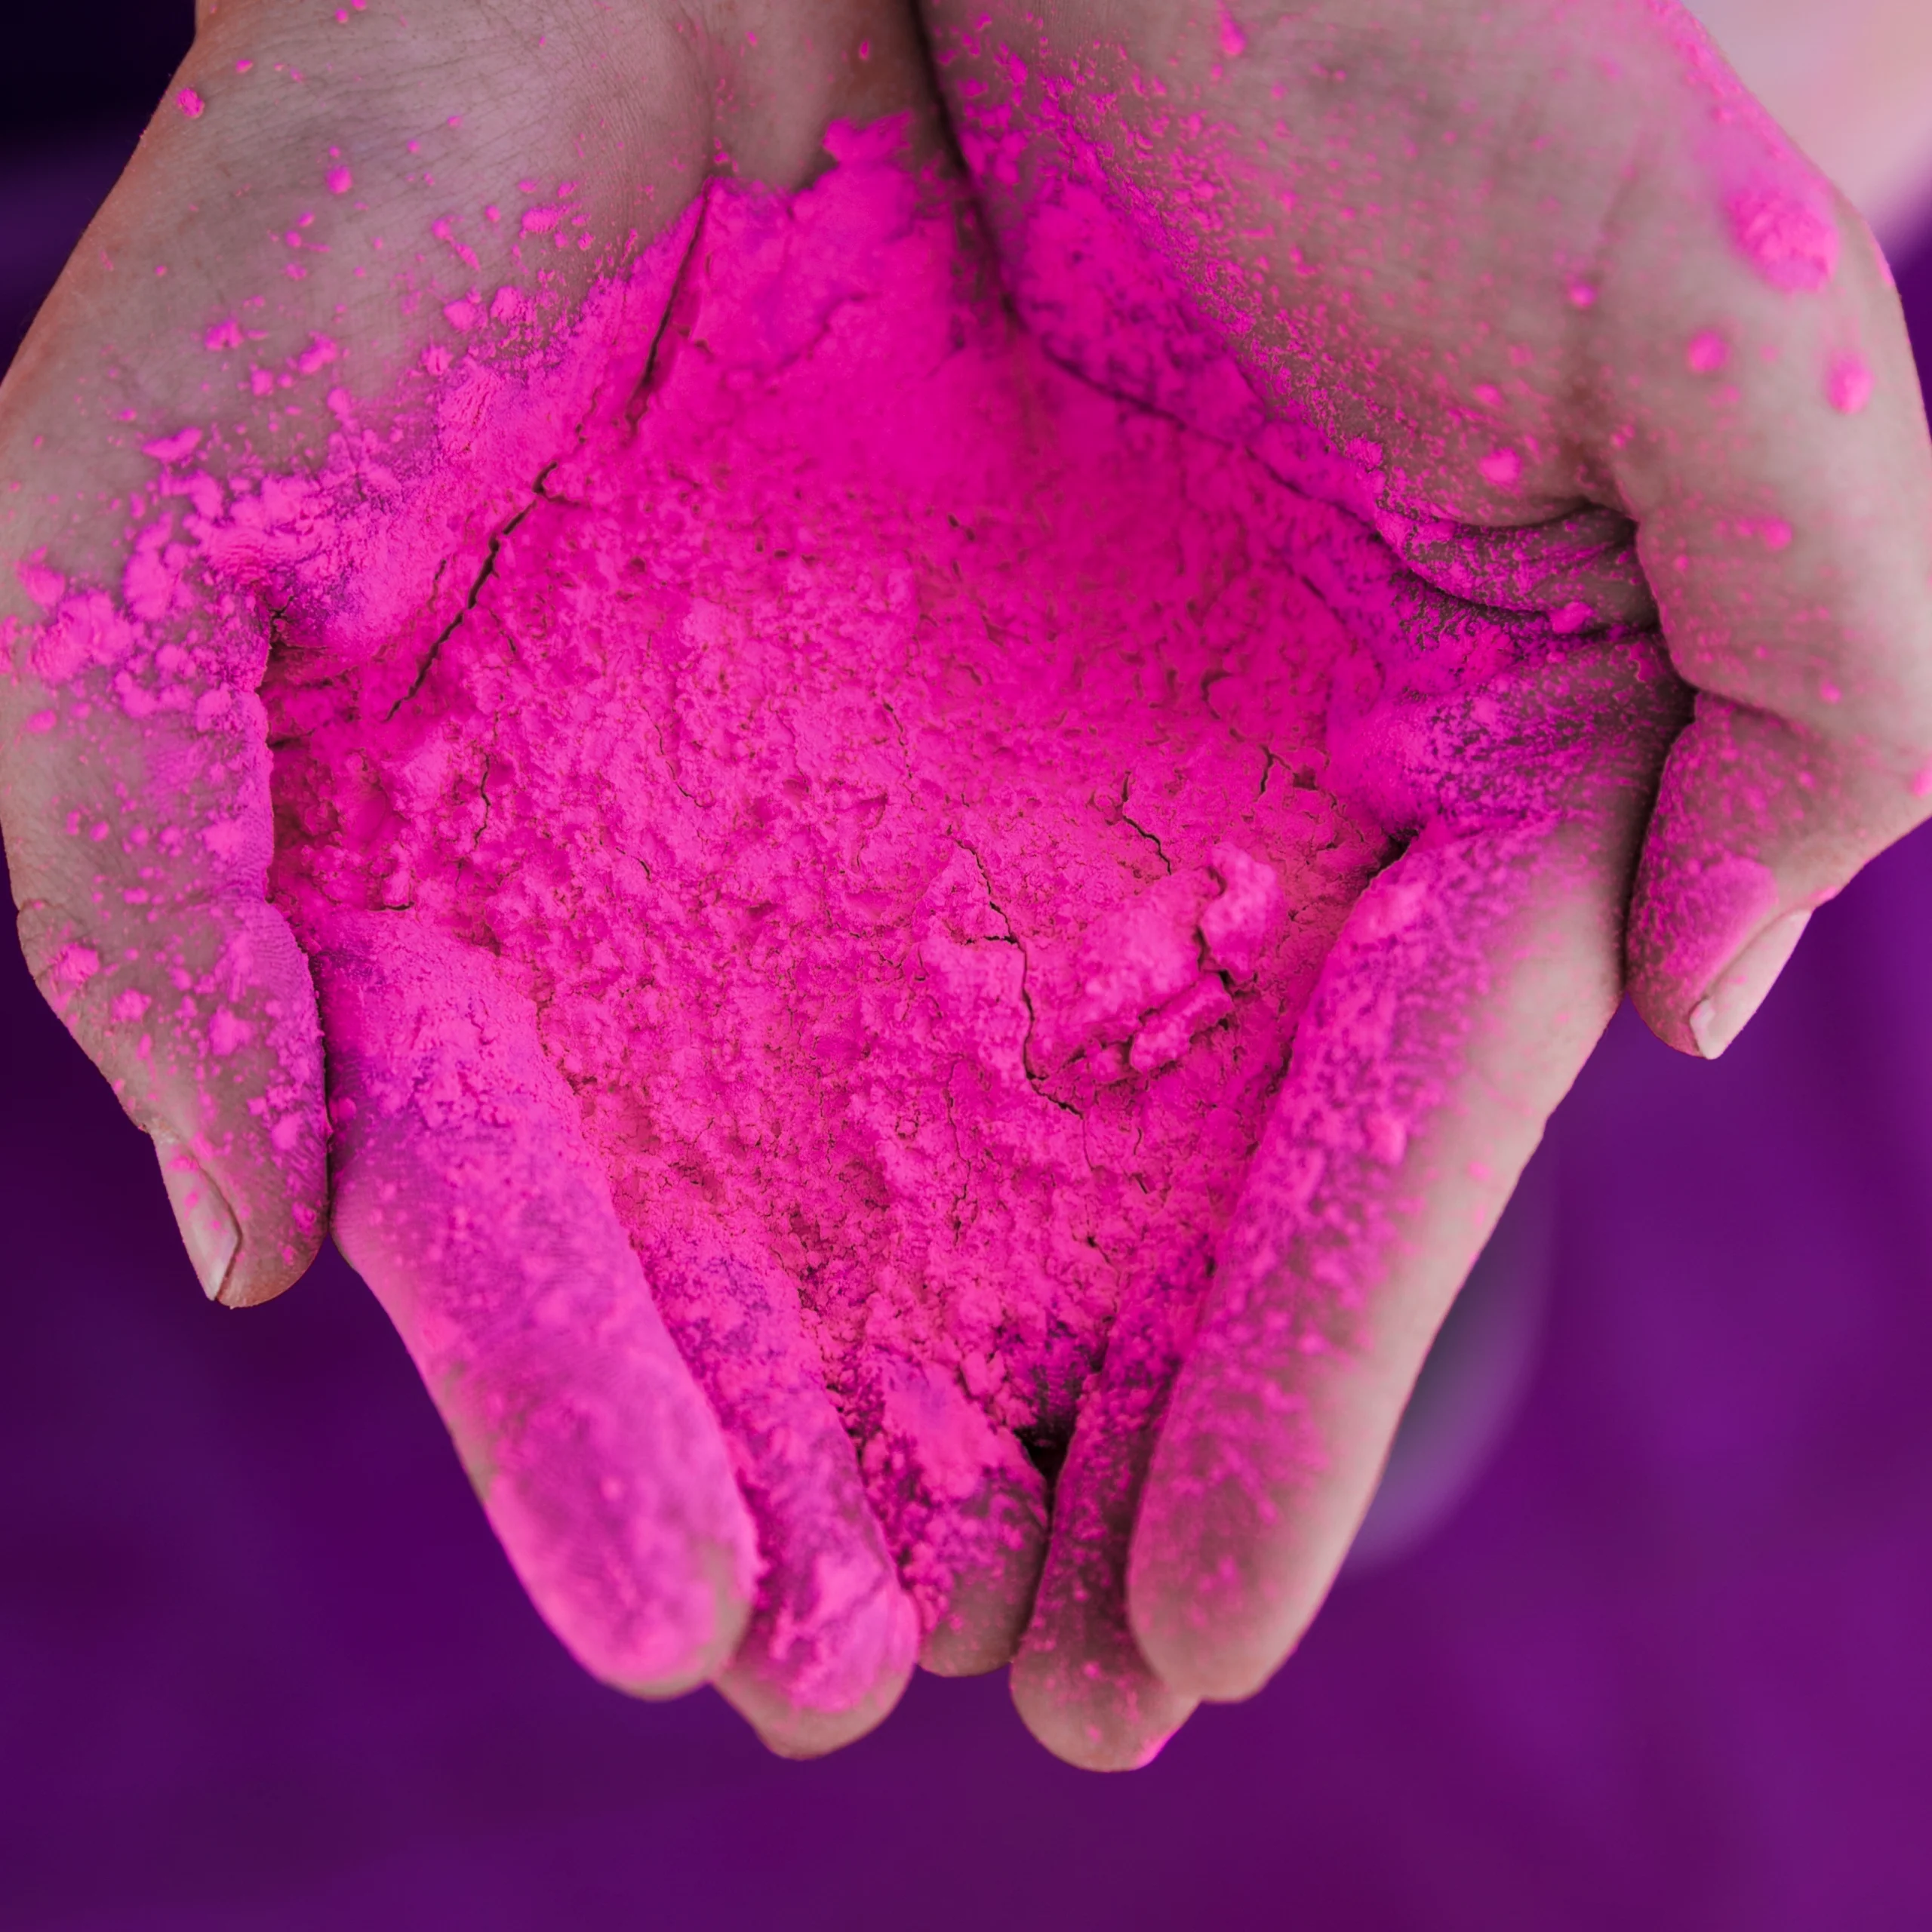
(263, 1667)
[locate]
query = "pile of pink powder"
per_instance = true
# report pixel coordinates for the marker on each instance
(893, 770)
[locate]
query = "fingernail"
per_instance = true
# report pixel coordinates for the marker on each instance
(208, 1229)
(1739, 989)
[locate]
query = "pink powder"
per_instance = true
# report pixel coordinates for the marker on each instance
(1708, 352)
(173, 449)
(1778, 211)
(1848, 383)
(892, 771)
(898, 787)
(1787, 234)
(1501, 468)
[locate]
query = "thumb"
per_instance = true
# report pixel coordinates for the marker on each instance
(1782, 488)
(138, 832)
(206, 1029)
(1759, 819)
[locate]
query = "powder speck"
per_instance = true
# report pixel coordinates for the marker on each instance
(1501, 467)
(322, 351)
(1708, 352)
(1848, 384)
(172, 449)
(1788, 237)
(46, 587)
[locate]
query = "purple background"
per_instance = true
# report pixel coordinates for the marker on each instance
(262, 1665)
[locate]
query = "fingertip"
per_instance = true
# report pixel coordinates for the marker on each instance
(1220, 1661)
(248, 1242)
(964, 1512)
(209, 1034)
(647, 1581)
(700, 1609)
(1195, 1595)
(1098, 1713)
(1705, 952)
(1241, 1531)
(244, 1259)
(833, 1637)
(1081, 1684)
(1737, 992)
(1199, 1629)
(253, 1284)
(797, 1715)
(204, 1220)
(992, 1595)
(798, 1737)
(1667, 1020)
(1692, 909)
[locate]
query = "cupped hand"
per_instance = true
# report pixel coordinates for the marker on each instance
(879, 823)
(1540, 293)
(817, 829)
(361, 286)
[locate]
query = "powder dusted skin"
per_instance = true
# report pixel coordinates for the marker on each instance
(893, 770)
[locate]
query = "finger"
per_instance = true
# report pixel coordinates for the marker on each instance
(1782, 485)
(981, 1561)
(833, 1638)
(466, 1198)
(965, 1512)
(1466, 990)
(179, 458)
(1080, 1682)
(134, 792)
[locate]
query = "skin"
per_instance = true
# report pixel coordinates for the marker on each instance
(1479, 251)
(1847, 83)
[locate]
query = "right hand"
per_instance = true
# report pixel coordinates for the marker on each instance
(1598, 343)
